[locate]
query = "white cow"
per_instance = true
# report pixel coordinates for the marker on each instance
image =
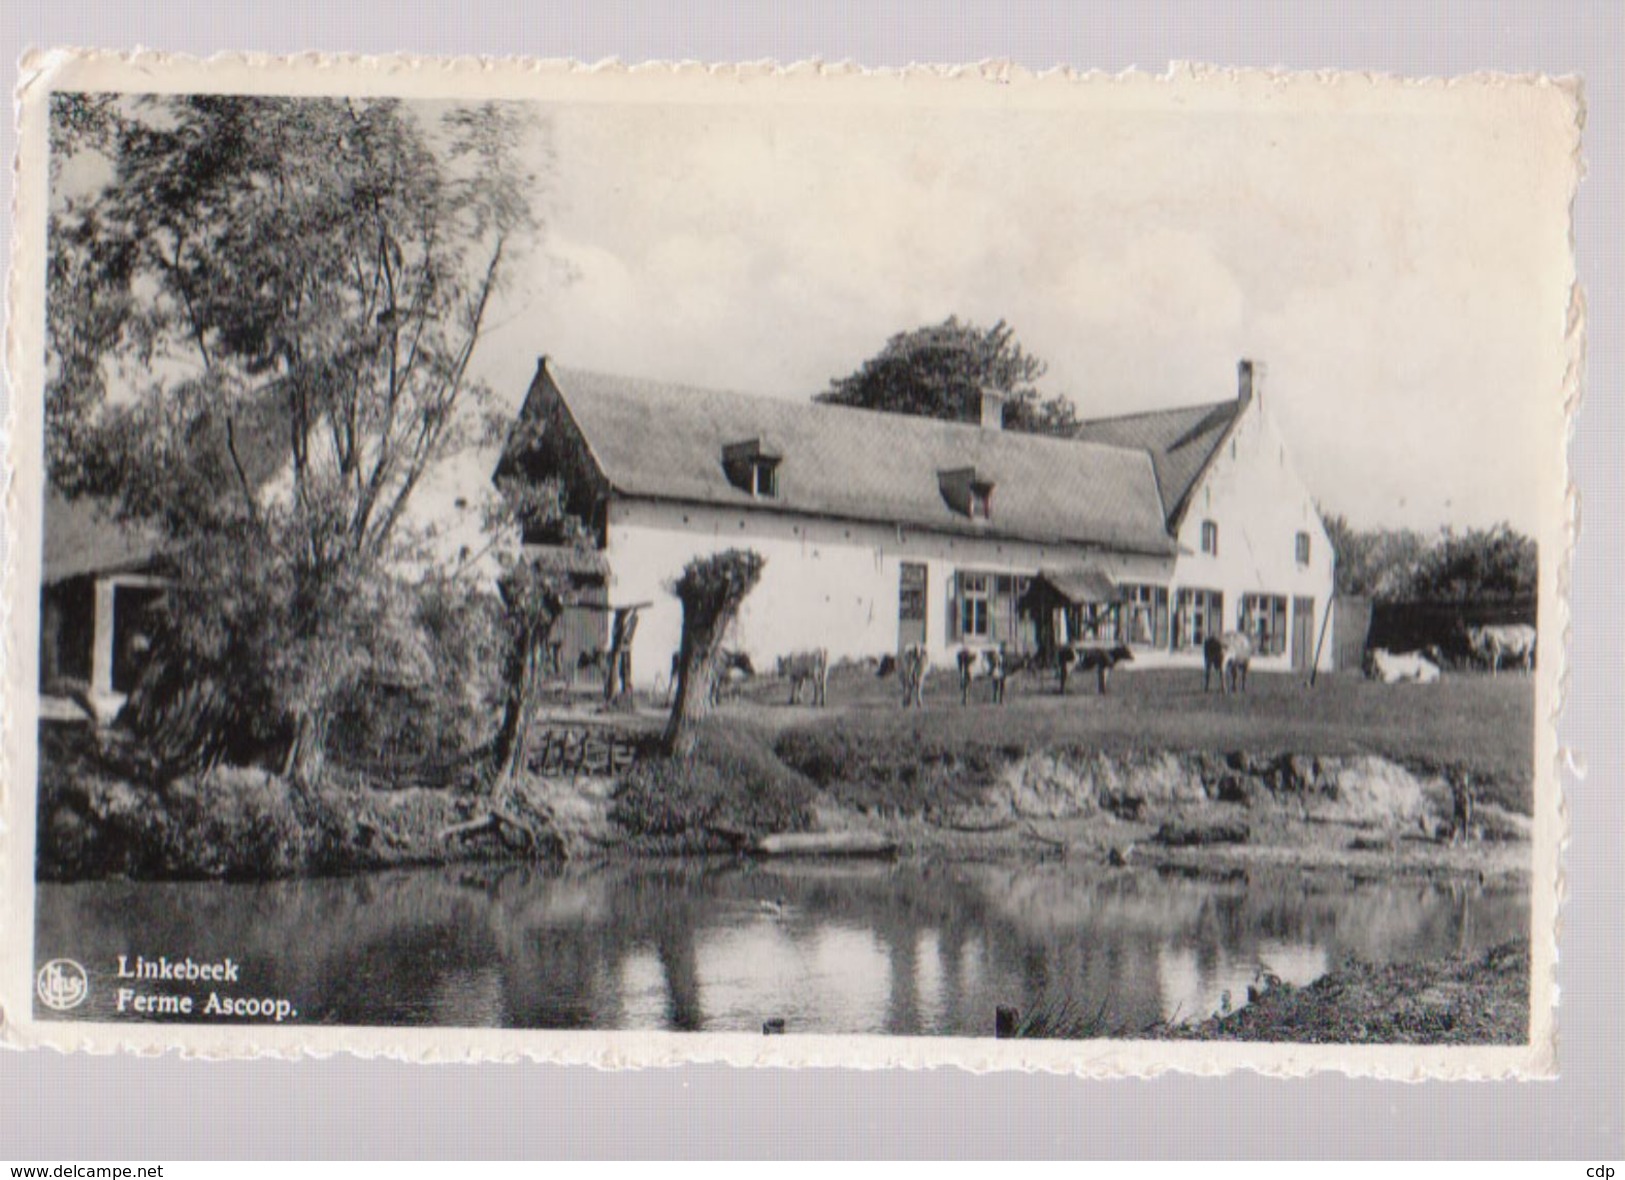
(1493, 644)
(1394, 668)
(806, 667)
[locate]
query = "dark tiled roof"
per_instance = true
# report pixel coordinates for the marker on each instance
(1180, 442)
(664, 441)
(82, 536)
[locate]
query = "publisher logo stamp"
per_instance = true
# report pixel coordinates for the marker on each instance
(62, 984)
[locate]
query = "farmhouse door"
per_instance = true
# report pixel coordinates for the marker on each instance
(1303, 633)
(911, 599)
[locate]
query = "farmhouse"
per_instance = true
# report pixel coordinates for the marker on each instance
(884, 530)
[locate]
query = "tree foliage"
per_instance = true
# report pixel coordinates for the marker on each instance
(941, 370)
(1478, 565)
(286, 294)
(1494, 565)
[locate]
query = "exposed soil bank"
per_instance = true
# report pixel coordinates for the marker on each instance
(1363, 814)
(96, 820)
(1482, 1001)
(1203, 812)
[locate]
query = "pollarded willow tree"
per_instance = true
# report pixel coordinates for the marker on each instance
(262, 326)
(711, 590)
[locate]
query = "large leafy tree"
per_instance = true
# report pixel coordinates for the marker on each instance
(285, 294)
(1474, 566)
(941, 370)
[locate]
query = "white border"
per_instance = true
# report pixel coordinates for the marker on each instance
(142, 1102)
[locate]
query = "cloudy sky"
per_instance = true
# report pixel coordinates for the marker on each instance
(1398, 258)
(1397, 255)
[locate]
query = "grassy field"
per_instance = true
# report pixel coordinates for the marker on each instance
(1469, 721)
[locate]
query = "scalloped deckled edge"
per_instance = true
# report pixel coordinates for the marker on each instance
(420, 77)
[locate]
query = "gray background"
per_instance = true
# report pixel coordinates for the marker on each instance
(56, 1108)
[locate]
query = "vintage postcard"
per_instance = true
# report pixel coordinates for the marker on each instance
(789, 565)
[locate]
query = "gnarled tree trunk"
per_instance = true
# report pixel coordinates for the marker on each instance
(711, 590)
(523, 680)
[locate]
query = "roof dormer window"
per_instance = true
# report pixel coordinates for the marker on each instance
(753, 467)
(967, 493)
(764, 479)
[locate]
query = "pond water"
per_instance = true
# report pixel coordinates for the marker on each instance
(724, 945)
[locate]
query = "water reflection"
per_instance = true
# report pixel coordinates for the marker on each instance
(905, 950)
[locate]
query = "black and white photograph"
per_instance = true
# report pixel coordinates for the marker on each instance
(792, 565)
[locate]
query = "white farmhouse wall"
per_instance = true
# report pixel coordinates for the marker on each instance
(826, 583)
(1254, 496)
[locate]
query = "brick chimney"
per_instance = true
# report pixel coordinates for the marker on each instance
(1249, 381)
(992, 410)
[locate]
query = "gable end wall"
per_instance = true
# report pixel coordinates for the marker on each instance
(1255, 497)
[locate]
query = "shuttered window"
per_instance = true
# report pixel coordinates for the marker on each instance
(986, 607)
(975, 606)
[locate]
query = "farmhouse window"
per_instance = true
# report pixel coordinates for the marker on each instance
(1263, 619)
(1198, 614)
(974, 617)
(1302, 544)
(764, 480)
(984, 606)
(1210, 537)
(1142, 619)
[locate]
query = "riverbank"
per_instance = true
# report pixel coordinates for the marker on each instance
(1212, 813)
(1482, 1000)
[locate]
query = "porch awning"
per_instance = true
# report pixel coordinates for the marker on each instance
(1080, 586)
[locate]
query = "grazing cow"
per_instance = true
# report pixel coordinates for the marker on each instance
(1090, 657)
(806, 667)
(1230, 655)
(973, 665)
(997, 672)
(1493, 644)
(1023, 661)
(913, 664)
(1408, 667)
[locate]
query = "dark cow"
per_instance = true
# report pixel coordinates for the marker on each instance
(1229, 655)
(974, 665)
(1087, 657)
(807, 667)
